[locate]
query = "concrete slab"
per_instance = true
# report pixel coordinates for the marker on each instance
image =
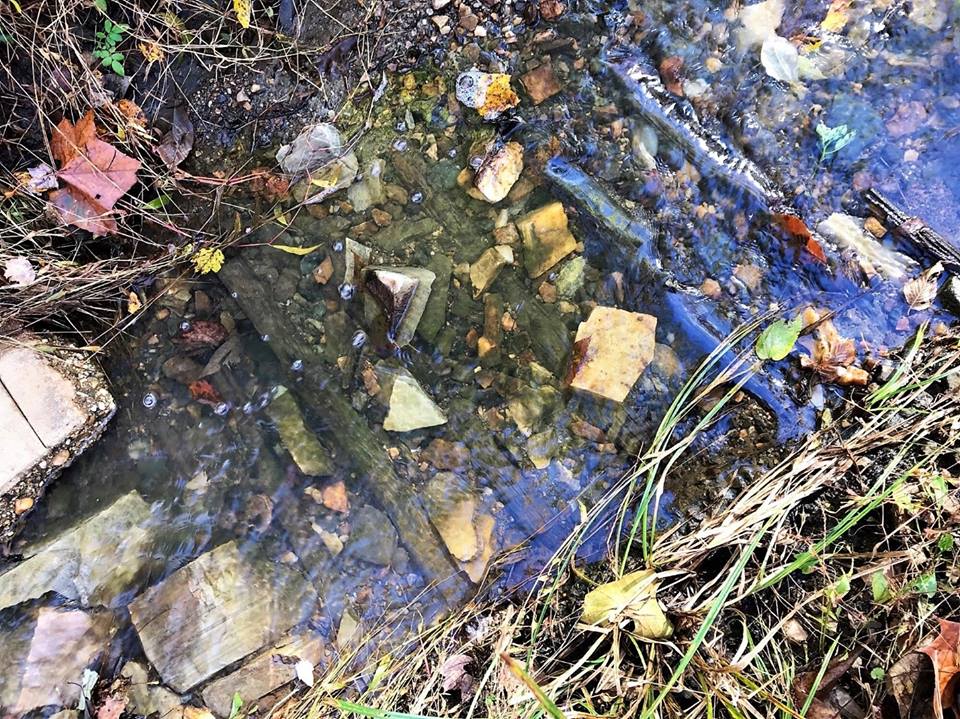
(20, 448)
(54, 403)
(44, 395)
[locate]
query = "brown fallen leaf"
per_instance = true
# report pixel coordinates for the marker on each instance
(921, 291)
(909, 683)
(69, 140)
(670, 73)
(77, 209)
(944, 652)
(796, 227)
(101, 172)
(112, 707)
(455, 675)
(202, 334)
(178, 142)
(820, 705)
(204, 392)
(831, 356)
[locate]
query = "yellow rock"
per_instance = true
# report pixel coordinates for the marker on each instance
(611, 350)
(546, 238)
(476, 568)
(456, 529)
(485, 270)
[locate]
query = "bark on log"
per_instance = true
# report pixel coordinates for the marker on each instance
(363, 448)
(912, 229)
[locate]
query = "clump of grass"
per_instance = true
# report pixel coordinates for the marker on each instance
(813, 581)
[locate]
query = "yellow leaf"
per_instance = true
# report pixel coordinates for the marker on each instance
(837, 16)
(297, 250)
(133, 303)
(242, 9)
(207, 260)
(151, 51)
(280, 217)
(633, 596)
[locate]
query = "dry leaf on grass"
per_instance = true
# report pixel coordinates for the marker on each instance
(633, 596)
(78, 210)
(831, 356)
(455, 674)
(102, 173)
(920, 292)
(19, 272)
(178, 141)
(69, 140)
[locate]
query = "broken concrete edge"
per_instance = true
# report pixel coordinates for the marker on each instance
(91, 393)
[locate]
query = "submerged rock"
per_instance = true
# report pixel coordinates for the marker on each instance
(315, 146)
(611, 350)
(373, 538)
(540, 83)
(570, 278)
(217, 609)
(47, 670)
(848, 233)
(486, 268)
(402, 293)
(264, 673)
(546, 238)
(499, 172)
(147, 698)
(370, 190)
(477, 567)
(410, 407)
(302, 444)
(93, 563)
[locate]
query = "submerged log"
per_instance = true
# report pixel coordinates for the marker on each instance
(362, 449)
(676, 120)
(700, 321)
(922, 238)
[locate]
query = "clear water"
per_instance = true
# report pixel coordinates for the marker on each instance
(216, 475)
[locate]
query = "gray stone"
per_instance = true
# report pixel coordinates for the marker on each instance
(411, 407)
(47, 670)
(264, 673)
(93, 563)
(20, 447)
(370, 190)
(570, 278)
(402, 293)
(146, 697)
(302, 444)
(216, 610)
(435, 313)
(372, 537)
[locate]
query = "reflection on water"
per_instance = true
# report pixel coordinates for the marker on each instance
(283, 483)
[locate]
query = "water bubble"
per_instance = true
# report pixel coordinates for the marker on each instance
(265, 338)
(234, 295)
(185, 326)
(338, 246)
(416, 198)
(222, 408)
(452, 152)
(476, 161)
(400, 144)
(264, 400)
(359, 339)
(248, 408)
(150, 400)
(296, 366)
(346, 291)
(401, 126)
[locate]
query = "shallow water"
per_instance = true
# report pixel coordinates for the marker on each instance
(519, 450)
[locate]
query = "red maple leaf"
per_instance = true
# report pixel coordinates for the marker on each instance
(204, 392)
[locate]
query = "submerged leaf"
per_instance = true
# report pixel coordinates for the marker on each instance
(780, 59)
(304, 669)
(776, 341)
(633, 596)
(920, 292)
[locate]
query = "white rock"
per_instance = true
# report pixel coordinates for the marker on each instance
(410, 407)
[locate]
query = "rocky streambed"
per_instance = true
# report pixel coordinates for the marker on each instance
(429, 345)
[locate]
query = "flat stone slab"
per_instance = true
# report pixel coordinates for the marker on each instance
(265, 673)
(217, 610)
(54, 403)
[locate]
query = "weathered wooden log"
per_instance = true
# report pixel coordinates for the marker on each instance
(677, 121)
(922, 238)
(362, 449)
